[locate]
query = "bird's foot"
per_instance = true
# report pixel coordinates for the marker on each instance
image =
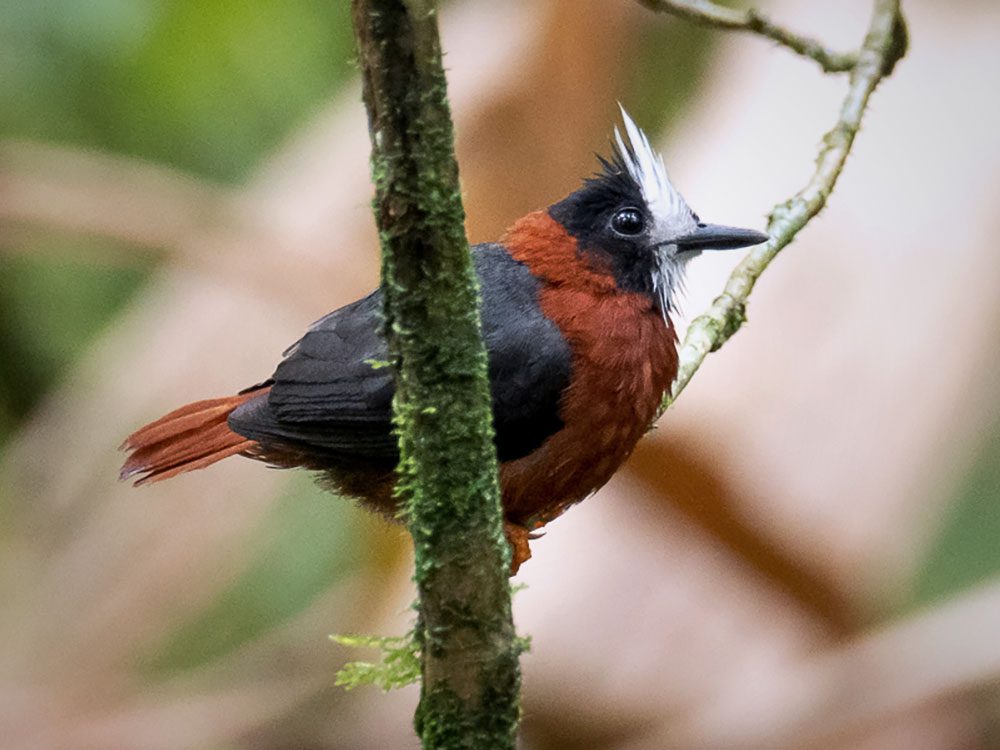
(518, 537)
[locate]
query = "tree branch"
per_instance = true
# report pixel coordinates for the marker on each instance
(448, 467)
(884, 45)
(707, 13)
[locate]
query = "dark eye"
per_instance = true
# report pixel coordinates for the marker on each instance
(628, 221)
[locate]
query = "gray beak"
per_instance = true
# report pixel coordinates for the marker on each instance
(716, 237)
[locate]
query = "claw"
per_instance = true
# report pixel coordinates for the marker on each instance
(518, 537)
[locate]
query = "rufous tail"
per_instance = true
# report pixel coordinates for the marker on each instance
(191, 437)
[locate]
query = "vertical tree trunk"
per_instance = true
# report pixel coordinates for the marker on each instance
(448, 465)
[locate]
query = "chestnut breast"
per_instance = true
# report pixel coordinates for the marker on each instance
(623, 358)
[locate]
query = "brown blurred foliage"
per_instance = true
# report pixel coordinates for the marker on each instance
(748, 581)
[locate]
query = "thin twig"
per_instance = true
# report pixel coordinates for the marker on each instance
(884, 44)
(707, 13)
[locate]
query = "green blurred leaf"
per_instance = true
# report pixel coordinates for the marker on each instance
(206, 85)
(967, 549)
(51, 308)
(219, 84)
(308, 541)
(670, 63)
(211, 86)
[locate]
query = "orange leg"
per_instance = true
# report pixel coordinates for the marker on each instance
(518, 537)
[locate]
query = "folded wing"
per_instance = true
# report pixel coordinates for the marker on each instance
(332, 393)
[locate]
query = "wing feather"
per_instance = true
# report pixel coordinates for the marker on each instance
(332, 393)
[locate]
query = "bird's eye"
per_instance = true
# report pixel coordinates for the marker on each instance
(628, 221)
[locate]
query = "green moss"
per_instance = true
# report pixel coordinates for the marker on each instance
(734, 320)
(398, 665)
(447, 475)
(444, 719)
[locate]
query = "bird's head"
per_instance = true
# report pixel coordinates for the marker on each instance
(630, 217)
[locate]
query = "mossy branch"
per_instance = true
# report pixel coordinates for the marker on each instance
(884, 44)
(707, 13)
(447, 476)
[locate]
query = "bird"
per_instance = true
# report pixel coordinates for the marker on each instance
(576, 306)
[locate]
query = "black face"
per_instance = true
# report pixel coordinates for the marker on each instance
(608, 218)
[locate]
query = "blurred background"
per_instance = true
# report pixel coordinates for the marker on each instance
(804, 554)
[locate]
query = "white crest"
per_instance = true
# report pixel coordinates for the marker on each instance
(645, 166)
(670, 211)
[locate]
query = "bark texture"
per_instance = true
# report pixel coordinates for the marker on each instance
(448, 465)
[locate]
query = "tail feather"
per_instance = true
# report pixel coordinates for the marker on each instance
(191, 437)
(188, 446)
(201, 463)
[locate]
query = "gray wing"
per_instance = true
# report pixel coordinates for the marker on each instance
(332, 393)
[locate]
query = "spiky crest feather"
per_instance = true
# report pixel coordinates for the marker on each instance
(633, 157)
